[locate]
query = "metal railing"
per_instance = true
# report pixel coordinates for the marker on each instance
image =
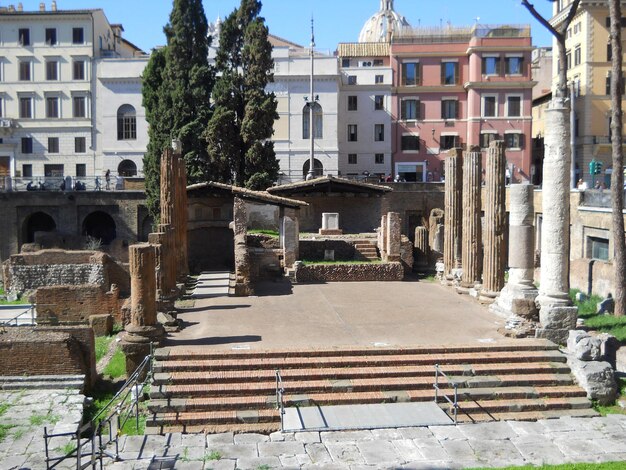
(60, 183)
(453, 401)
(15, 320)
(103, 429)
(280, 399)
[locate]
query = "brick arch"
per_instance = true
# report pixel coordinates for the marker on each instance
(101, 225)
(39, 221)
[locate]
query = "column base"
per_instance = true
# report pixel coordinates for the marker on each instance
(556, 322)
(517, 300)
(136, 345)
(487, 297)
(465, 288)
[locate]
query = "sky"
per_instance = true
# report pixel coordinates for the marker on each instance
(336, 20)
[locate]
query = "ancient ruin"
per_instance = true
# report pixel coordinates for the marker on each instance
(471, 256)
(452, 228)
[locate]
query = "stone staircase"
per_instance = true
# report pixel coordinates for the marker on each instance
(204, 390)
(366, 250)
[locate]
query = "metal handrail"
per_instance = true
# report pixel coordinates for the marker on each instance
(454, 402)
(15, 319)
(280, 398)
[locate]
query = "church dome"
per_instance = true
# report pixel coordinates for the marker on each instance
(383, 24)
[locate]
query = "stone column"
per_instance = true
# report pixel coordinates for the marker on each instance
(242, 257)
(290, 236)
(394, 236)
(382, 238)
(494, 260)
(181, 216)
(143, 328)
(556, 314)
(518, 296)
(169, 262)
(453, 214)
(471, 256)
(422, 249)
(165, 284)
(167, 187)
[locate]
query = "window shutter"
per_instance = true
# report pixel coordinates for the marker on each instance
(443, 73)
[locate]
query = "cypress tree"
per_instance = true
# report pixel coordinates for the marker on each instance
(238, 132)
(176, 94)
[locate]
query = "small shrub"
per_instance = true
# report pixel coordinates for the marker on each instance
(92, 243)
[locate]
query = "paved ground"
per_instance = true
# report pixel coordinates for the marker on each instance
(9, 312)
(335, 314)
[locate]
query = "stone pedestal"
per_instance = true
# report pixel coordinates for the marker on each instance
(556, 313)
(494, 257)
(453, 215)
(289, 235)
(422, 249)
(519, 294)
(471, 256)
(394, 236)
(143, 329)
(330, 224)
(242, 257)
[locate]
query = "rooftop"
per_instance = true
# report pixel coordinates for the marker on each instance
(262, 197)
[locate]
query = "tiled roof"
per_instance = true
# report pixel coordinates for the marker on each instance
(329, 181)
(363, 49)
(257, 196)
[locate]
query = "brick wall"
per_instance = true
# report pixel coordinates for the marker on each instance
(75, 304)
(349, 272)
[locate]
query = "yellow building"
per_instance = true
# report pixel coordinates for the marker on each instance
(589, 71)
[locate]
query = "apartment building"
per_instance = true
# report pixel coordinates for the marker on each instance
(48, 87)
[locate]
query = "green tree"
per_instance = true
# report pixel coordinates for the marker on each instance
(239, 131)
(177, 85)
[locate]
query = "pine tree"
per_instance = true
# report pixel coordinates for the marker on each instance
(243, 121)
(176, 92)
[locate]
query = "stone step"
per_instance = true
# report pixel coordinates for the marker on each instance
(172, 375)
(42, 382)
(262, 401)
(260, 428)
(527, 415)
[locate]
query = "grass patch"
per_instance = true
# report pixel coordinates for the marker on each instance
(3, 408)
(351, 261)
(117, 365)
(567, 466)
(271, 233)
(102, 346)
(611, 324)
(586, 308)
(4, 431)
(38, 420)
(214, 455)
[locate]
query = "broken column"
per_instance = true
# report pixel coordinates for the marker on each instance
(494, 259)
(453, 214)
(471, 256)
(382, 238)
(289, 235)
(519, 294)
(143, 329)
(394, 236)
(556, 314)
(422, 249)
(165, 282)
(242, 257)
(181, 215)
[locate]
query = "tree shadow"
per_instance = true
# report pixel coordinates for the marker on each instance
(213, 341)
(211, 307)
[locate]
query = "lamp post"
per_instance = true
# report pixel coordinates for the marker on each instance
(311, 173)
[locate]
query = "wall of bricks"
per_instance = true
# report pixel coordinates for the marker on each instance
(48, 351)
(74, 304)
(349, 272)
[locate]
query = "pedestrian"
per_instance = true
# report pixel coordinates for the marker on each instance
(98, 186)
(107, 178)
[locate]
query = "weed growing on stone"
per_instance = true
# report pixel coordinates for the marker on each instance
(568, 466)
(3, 408)
(263, 467)
(4, 431)
(69, 448)
(102, 346)
(116, 366)
(214, 455)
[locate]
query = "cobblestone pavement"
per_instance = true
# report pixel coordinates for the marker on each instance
(436, 447)
(23, 416)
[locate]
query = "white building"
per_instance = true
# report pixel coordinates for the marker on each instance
(48, 70)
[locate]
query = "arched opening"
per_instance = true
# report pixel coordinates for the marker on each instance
(126, 123)
(101, 226)
(318, 168)
(127, 168)
(146, 228)
(318, 121)
(38, 222)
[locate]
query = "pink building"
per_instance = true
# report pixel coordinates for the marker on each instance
(460, 87)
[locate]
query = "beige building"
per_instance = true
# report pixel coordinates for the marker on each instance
(589, 72)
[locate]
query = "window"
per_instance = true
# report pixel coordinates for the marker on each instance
(490, 106)
(27, 171)
(352, 133)
(1, 106)
(24, 36)
(599, 248)
(491, 65)
(379, 103)
(25, 70)
(410, 73)
(379, 132)
(379, 79)
(351, 79)
(447, 142)
(52, 70)
(345, 63)
(379, 158)
(78, 68)
(577, 55)
(514, 106)
(51, 36)
(53, 145)
(449, 109)
(78, 36)
(81, 170)
(513, 141)
(78, 107)
(609, 52)
(26, 108)
(409, 109)
(449, 73)
(486, 138)
(568, 56)
(352, 159)
(126, 123)
(27, 145)
(514, 65)
(378, 62)
(80, 144)
(318, 121)
(52, 107)
(352, 103)
(53, 171)
(410, 143)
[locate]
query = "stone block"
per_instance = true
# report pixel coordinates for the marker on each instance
(609, 346)
(574, 337)
(556, 335)
(557, 317)
(330, 221)
(525, 308)
(102, 324)
(588, 349)
(597, 378)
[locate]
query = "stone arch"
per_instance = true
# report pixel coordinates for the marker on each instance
(126, 122)
(145, 228)
(127, 168)
(100, 225)
(37, 222)
(318, 167)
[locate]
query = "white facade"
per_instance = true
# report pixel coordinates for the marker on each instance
(48, 68)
